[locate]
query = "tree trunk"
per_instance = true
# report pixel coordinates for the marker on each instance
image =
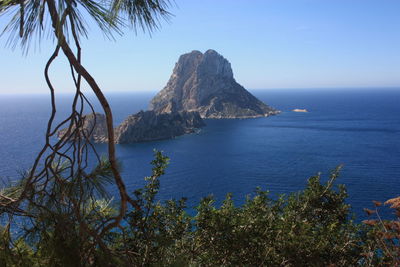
(106, 107)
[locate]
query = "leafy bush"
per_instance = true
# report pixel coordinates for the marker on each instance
(312, 227)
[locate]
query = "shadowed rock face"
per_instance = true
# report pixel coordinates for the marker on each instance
(141, 127)
(205, 83)
(150, 126)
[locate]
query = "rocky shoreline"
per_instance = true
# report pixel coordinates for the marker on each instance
(143, 126)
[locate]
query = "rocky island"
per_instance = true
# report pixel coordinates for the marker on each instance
(201, 86)
(204, 83)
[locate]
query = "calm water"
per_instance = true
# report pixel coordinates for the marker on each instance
(357, 128)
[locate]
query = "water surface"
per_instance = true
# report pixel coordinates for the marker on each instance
(357, 128)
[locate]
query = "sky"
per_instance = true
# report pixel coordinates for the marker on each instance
(270, 44)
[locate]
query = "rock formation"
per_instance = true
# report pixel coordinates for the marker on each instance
(150, 126)
(142, 126)
(94, 127)
(205, 83)
(201, 86)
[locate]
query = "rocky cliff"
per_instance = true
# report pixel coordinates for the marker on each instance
(142, 126)
(205, 83)
(150, 126)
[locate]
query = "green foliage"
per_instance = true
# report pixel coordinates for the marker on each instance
(156, 231)
(29, 18)
(305, 228)
(312, 227)
(55, 228)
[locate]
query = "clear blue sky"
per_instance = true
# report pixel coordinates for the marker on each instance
(270, 44)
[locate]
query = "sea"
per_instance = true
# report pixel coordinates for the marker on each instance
(358, 128)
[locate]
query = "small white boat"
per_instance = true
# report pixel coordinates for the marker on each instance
(299, 110)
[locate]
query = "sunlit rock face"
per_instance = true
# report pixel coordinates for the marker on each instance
(204, 83)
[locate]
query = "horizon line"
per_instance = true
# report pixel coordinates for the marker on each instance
(249, 89)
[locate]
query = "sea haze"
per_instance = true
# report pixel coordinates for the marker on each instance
(357, 128)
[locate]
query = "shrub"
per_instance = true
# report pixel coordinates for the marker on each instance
(312, 227)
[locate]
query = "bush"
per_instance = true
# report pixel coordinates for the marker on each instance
(313, 227)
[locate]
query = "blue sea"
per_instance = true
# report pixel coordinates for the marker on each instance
(359, 128)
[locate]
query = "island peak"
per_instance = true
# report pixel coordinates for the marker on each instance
(205, 83)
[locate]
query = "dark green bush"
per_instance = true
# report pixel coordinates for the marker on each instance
(312, 227)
